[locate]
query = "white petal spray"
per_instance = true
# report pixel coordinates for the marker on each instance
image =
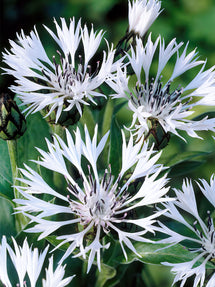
(201, 238)
(153, 99)
(97, 203)
(68, 79)
(28, 264)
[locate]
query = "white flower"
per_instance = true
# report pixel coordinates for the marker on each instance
(142, 14)
(3, 263)
(97, 203)
(151, 99)
(28, 262)
(201, 238)
(68, 79)
(55, 278)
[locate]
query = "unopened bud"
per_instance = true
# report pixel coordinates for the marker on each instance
(156, 134)
(12, 121)
(67, 118)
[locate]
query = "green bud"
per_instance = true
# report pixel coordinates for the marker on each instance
(67, 118)
(12, 121)
(156, 134)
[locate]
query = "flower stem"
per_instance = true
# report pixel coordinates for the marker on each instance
(12, 149)
(21, 220)
(106, 126)
(88, 120)
(57, 177)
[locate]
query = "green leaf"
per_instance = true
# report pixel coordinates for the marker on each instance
(107, 272)
(7, 220)
(109, 117)
(118, 107)
(183, 163)
(178, 158)
(115, 152)
(52, 239)
(209, 114)
(37, 131)
(157, 253)
(185, 168)
(35, 135)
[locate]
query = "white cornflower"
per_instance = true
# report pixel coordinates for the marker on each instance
(142, 14)
(166, 103)
(95, 204)
(55, 278)
(68, 80)
(28, 264)
(201, 238)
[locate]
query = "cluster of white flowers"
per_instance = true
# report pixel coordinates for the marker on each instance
(28, 264)
(96, 206)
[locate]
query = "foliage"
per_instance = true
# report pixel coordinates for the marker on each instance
(191, 21)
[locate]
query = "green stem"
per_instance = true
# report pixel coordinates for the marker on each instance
(12, 149)
(57, 177)
(21, 220)
(107, 118)
(106, 126)
(88, 120)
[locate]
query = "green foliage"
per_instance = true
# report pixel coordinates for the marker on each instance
(37, 131)
(7, 222)
(191, 21)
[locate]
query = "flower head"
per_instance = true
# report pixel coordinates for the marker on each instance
(201, 238)
(28, 262)
(65, 82)
(165, 102)
(95, 203)
(56, 278)
(142, 14)
(12, 121)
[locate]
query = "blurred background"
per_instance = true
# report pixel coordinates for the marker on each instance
(187, 20)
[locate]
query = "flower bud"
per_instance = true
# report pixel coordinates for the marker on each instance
(66, 118)
(12, 121)
(142, 14)
(156, 134)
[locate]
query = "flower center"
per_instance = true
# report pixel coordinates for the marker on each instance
(99, 201)
(99, 208)
(67, 78)
(154, 99)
